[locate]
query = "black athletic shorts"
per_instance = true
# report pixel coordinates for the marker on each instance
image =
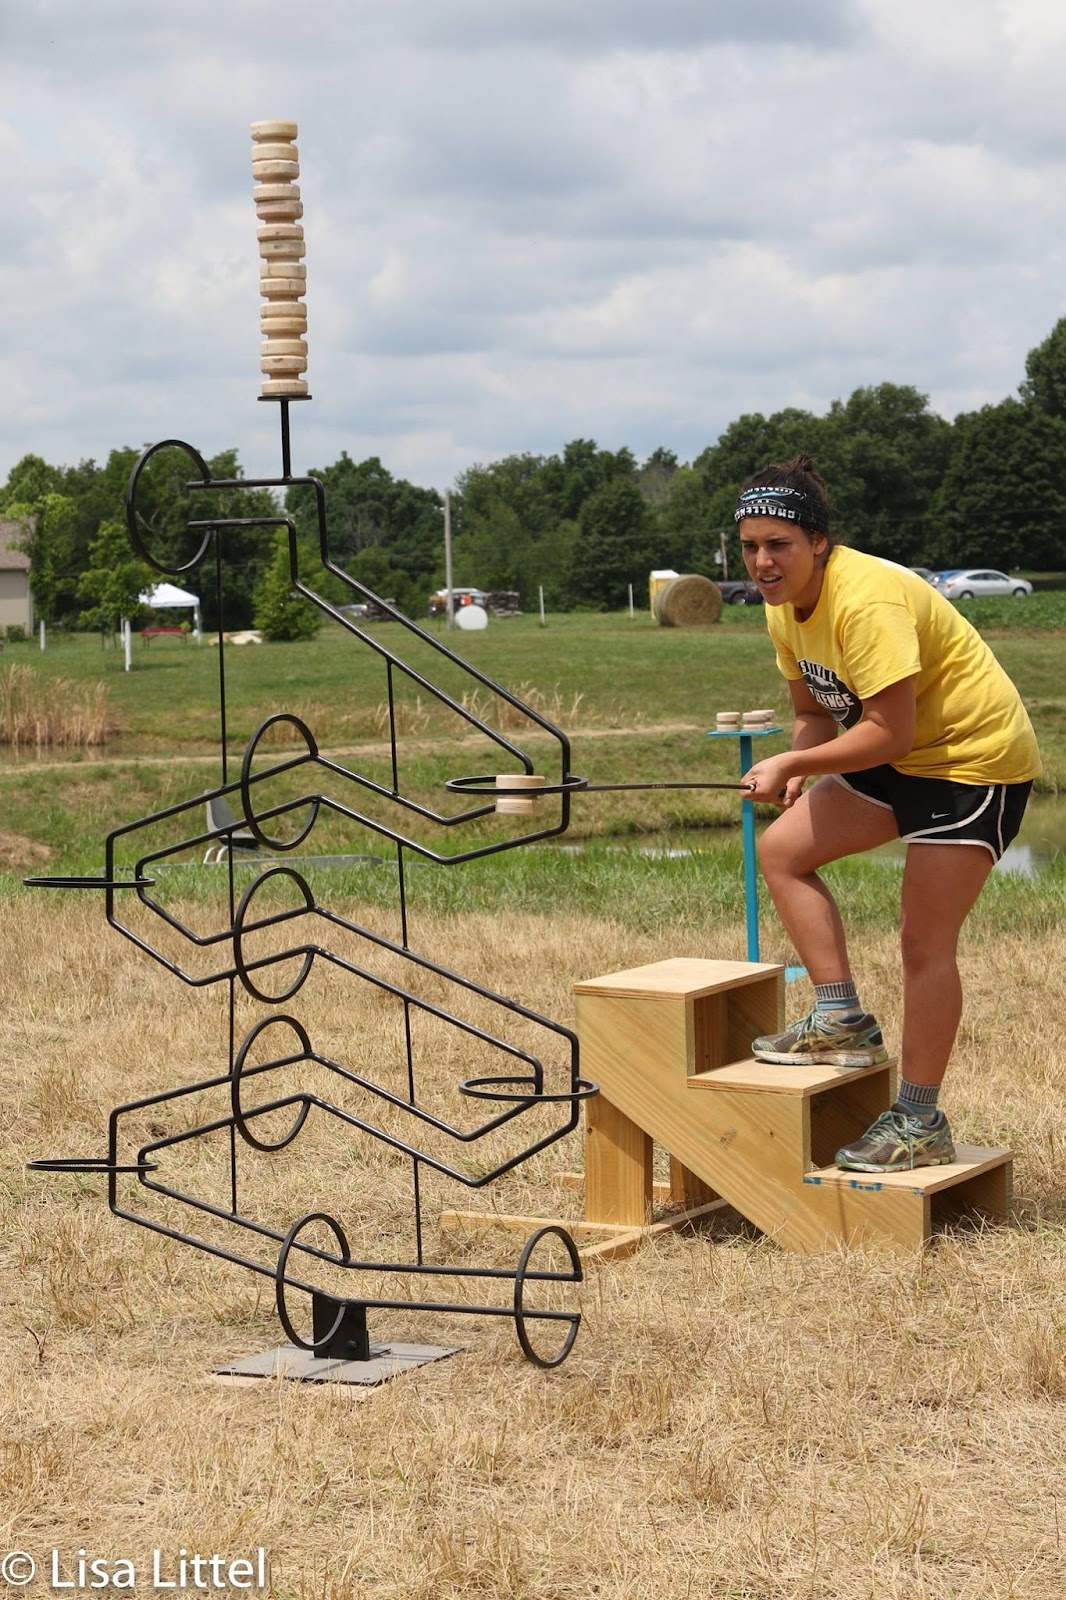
(937, 811)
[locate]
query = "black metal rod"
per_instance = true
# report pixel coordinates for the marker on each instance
(604, 788)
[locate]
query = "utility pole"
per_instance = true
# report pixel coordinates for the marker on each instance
(449, 607)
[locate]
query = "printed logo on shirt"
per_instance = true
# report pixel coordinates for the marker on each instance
(829, 692)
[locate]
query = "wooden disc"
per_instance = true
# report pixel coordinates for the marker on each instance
(284, 386)
(284, 319)
(282, 288)
(516, 805)
(284, 328)
(284, 347)
(281, 269)
(282, 249)
(274, 171)
(273, 130)
(278, 210)
(282, 311)
(275, 152)
(275, 191)
(278, 366)
(279, 230)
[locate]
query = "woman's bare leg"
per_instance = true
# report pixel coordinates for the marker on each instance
(940, 884)
(826, 823)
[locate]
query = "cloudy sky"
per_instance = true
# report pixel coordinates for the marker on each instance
(526, 220)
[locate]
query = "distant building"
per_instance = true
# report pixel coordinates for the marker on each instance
(16, 602)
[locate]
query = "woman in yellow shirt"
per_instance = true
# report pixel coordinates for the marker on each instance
(912, 730)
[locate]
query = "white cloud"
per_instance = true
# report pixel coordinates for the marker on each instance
(525, 221)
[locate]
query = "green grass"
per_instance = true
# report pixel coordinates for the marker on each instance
(634, 698)
(619, 667)
(697, 897)
(1043, 611)
(620, 671)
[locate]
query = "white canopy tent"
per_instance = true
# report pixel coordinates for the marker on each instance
(167, 596)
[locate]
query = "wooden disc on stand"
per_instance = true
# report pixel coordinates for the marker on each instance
(265, 131)
(282, 274)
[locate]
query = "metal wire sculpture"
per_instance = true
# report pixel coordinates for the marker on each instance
(148, 1183)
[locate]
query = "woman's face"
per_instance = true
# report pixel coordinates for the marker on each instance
(787, 563)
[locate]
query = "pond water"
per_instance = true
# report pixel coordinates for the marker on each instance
(1041, 840)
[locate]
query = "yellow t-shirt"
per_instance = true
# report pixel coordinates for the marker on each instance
(876, 623)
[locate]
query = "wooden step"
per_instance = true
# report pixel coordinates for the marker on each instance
(773, 1077)
(758, 1134)
(907, 1208)
(972, 1160)
(681, 978)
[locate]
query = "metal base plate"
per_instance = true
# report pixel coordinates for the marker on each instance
(303, 1366)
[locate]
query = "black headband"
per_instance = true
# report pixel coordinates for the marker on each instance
(791, 505)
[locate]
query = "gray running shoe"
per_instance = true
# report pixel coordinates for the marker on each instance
(899, 1143)
(821, 1039)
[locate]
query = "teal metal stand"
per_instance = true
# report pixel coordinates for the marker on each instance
(747, 816)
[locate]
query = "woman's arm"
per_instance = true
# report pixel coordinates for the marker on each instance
(811, 723)
(885, 733)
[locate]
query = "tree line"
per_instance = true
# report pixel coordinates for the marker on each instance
(988, 488)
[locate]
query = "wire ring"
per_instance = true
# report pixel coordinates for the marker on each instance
(470, 786)
(239, 1120)
(89, 883)
(279, 1277)
(87, 1164)
(482, 1089)
(520, 1313)
(238, 938)
(311, 742)
(131, 509)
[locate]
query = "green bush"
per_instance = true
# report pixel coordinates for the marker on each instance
(1043, 612)
(279, 613)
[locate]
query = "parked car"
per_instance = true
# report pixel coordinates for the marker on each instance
(966, 583)
(926, 573)
(739, 591)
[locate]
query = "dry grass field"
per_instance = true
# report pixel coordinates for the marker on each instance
(733, 1421)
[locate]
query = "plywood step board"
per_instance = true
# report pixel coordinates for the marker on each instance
(913, 1205)
(972, 1160)
(681, 978)
(772, 1077)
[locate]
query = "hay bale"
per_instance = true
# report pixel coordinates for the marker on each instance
(688, 602)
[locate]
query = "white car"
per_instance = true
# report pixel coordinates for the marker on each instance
(967, 582)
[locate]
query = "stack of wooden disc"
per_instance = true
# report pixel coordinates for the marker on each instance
(282, 274)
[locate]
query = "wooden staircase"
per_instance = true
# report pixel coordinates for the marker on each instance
(670, 1046)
